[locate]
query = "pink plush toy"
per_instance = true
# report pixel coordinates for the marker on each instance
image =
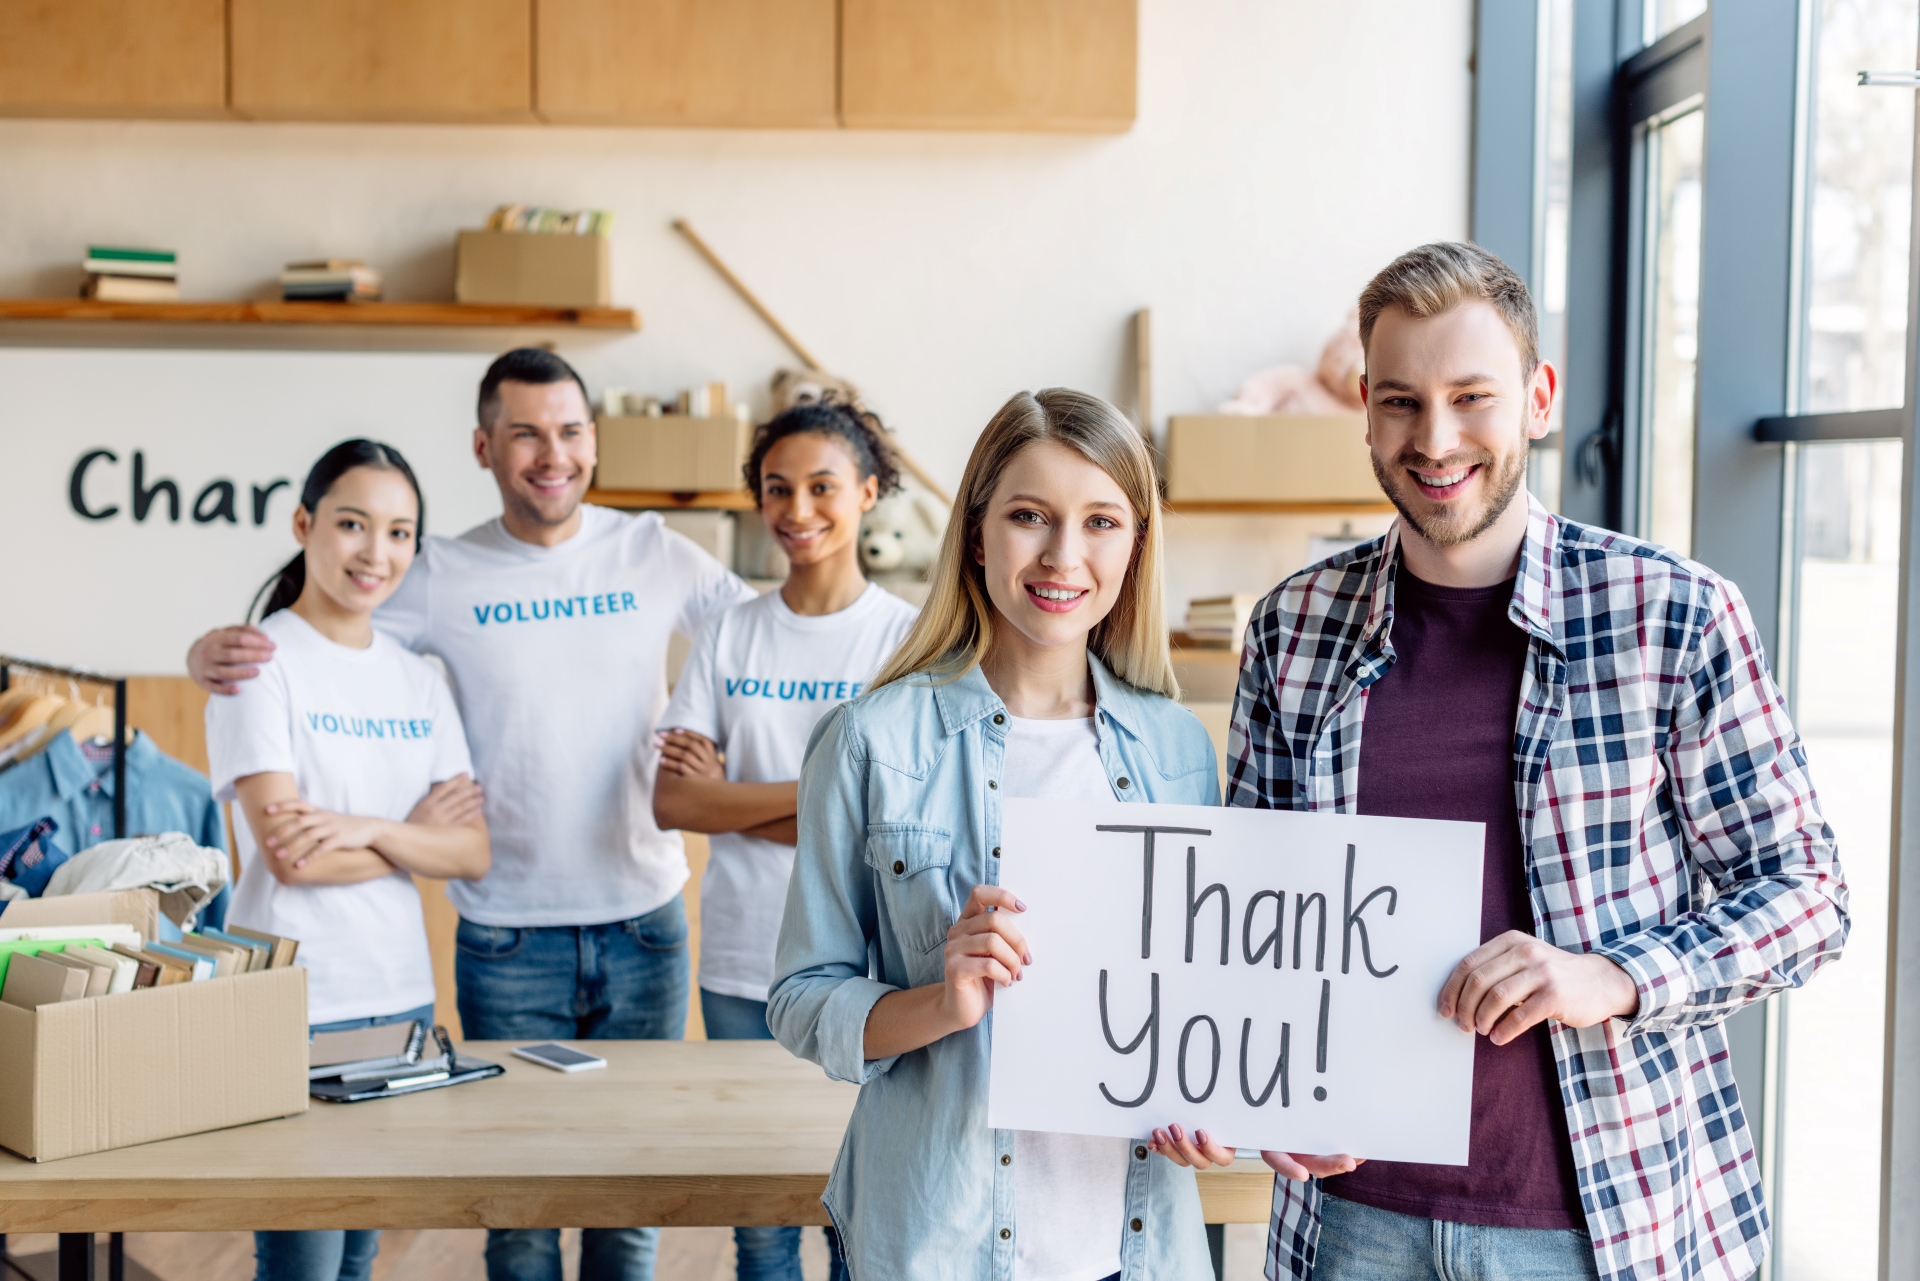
(1332, 388)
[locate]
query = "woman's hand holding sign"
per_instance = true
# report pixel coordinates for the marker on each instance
(984, 949)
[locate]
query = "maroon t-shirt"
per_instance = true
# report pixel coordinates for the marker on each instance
(1437, 742)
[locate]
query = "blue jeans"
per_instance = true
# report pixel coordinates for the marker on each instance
(622, 981)
(325, 1255)
(1360, 1243)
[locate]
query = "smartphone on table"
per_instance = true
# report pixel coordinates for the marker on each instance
(561, 1058)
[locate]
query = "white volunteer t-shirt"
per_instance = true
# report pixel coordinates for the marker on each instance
(559, 660)
(1069, 1190)
(362, 731)
(756, 682)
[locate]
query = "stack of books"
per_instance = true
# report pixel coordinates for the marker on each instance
(559, 222)
(116, 274)
(1220, 620)
(329, 280)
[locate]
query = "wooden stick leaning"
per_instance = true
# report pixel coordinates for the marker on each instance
(682, 226)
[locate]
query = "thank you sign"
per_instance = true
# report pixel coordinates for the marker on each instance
(1269, 977)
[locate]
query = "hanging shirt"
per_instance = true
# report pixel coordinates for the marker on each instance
(61, 783)
(558, 657)
(362, 731)
(1069, 1190)
(756, 682)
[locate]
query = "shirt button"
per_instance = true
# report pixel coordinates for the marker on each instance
(1006, 1158)
(1137, 1226)
(898, 867)
(1006, 1234)
(1124, 781)
(998, 719)
(1141, 1152)
(96, 829)
(996, 851)
(993, 783)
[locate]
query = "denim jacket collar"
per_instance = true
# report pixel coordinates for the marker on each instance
(969, 699)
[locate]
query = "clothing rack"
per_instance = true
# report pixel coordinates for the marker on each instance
(76, 1249)
(119, 683)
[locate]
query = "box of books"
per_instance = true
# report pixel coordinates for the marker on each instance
(533, 269)
(1302, 458)
(110, 1037)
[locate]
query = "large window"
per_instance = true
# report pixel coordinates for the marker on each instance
(1674, 149)
(1845, 522)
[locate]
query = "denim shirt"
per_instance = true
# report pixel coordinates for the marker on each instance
(899, 820)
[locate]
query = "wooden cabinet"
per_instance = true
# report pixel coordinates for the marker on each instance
(113, 57)
(988, 64)
(457, 60)
(687, 62)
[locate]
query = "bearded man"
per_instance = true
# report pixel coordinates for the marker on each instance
(1655, 858)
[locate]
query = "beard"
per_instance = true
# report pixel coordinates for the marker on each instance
(1502, 478)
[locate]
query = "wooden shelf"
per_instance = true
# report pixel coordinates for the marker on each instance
(641, 499)
(381, 314)
(1266, 507)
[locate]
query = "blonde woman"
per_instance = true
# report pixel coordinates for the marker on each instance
(1038, 668)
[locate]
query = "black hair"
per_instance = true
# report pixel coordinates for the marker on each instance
(534, 365)
(859, 428)
(285, 587)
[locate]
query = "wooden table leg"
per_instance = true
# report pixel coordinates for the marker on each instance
(76, 1256)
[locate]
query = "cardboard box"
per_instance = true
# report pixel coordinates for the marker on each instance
(533, 269)
(155, 1063)
(674, 452)
(1269, 458)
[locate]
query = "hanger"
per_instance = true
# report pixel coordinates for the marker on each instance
(13, 700)
(95, 722)
(64, 717)
(38, 711)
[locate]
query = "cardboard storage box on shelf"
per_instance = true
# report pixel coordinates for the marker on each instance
(677, 453)
(1269, 458)
(532, 269)
(155, 1063)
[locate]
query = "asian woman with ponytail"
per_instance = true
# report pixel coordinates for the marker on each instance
(349, 767)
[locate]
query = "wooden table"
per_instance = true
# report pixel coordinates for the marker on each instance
(670, 1134)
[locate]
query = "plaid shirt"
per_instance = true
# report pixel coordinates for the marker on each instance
(1669, 825)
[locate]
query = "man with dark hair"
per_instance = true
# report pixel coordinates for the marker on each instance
(1655, 858)
(553, 622)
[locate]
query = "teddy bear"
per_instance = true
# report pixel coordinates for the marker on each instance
(900, 537)
(1332, 387)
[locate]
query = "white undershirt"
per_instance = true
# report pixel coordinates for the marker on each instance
(1069, 1190)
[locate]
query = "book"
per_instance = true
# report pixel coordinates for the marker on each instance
(100, 934)
(33, 981)
(121, 253)
(98, 977)
(284, 950)
(123, 971)
(130, 289)
(227, 960)
(201, 966)
(262, 953)
(172, 969)
(119, 267)
(147, 971)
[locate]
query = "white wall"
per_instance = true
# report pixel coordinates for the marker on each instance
(1285, 149)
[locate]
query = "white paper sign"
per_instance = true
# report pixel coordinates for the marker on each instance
(1269, 977)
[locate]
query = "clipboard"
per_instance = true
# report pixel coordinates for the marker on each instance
(446, 1068)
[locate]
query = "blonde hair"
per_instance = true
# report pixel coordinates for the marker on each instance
(1437, 278)
(955, 627)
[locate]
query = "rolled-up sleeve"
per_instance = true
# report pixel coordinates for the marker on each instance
(1752, 823)
(821, 994)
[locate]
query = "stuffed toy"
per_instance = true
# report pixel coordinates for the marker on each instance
(900, 537)
(804, 386)
(1332, 387)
